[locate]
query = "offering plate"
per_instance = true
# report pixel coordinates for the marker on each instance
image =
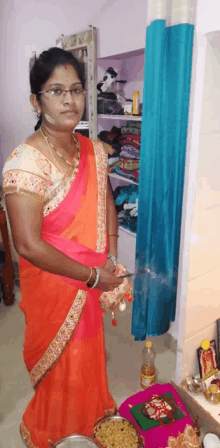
(194, 385)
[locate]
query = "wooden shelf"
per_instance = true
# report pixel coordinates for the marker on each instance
(120, 117)
(117, 176)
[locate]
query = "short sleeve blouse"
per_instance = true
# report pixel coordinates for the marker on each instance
(28, 171)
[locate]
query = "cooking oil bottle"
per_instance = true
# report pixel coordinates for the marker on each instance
(148, 371)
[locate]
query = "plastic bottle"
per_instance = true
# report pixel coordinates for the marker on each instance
(136, 102)
(148, 371)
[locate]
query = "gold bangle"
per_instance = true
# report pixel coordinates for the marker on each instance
(90, 275)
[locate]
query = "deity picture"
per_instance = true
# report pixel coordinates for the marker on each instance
(208, 363)
(218, 340)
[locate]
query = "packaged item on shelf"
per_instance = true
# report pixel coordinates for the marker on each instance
(136, 102)
(107, 79)
(109, 106)
(128, 106)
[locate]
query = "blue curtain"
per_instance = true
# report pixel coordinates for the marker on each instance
(167, 74)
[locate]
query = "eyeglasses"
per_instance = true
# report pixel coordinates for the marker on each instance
(76, 92)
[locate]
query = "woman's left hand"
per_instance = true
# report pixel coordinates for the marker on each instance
(109, 266)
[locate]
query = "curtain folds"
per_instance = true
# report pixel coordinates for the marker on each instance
(167, 74)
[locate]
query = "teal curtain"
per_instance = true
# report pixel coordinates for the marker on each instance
(167, 74)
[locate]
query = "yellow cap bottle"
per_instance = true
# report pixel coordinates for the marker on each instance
(148, 344)
(136, 102)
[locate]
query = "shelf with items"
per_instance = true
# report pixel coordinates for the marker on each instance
(120, 117)
(129, 67)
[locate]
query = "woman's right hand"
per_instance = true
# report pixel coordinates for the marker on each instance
(108, 280)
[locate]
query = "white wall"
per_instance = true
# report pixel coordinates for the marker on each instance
(198, 290)
(27, 26)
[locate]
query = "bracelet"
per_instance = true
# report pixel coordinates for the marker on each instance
(87, 281)
(96, 278)
(113, 259)
(113, 234)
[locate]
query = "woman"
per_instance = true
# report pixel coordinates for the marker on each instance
(64, 228)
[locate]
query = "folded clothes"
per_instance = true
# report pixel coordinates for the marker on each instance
(131, 137)
(127, 193)
(126, 201)
(127, 221)
(134, 175)
(128, 155)
(113, 160)
(130, 152)
(130, 130)
(135, 124)
(127, 164)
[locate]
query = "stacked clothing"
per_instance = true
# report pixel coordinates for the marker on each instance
(126, 201)
(126, 143)
(124, 161)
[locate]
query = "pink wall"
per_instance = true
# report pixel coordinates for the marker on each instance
(27, 26)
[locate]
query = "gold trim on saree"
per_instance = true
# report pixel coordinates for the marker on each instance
(26, 435)
(59, 193)
(101, 168)
(60, 341)
(10, 190)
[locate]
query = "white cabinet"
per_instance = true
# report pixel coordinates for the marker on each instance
(130, 67)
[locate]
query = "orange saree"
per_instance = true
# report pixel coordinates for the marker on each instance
(64, 343)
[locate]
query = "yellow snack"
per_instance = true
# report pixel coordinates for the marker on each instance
(116, 434)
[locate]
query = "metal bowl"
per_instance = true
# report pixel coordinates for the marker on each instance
(119, 418)
(76, 441)
(194, 385)
(212, 394)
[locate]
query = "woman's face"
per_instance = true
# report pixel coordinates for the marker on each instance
(63, 111)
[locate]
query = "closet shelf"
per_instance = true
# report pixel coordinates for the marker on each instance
(121, 117)
(117, 176)
(127, 231)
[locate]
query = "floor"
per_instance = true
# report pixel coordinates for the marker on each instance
(123, 364)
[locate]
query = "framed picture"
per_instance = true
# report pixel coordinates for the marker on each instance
(218, 340)
(208, 360)
(83, 45)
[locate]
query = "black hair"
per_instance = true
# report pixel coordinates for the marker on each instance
(44, 66)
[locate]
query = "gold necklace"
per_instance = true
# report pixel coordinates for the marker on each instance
(59, 154)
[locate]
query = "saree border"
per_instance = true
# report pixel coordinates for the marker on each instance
(58, 344)
(26, 435)
(101, 168)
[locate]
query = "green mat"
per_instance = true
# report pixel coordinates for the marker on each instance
(145, 423)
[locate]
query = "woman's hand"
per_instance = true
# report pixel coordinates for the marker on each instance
(109, 265)
(107, 280)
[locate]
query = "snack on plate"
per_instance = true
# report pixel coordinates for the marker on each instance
(118, 433)
(216, 381)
